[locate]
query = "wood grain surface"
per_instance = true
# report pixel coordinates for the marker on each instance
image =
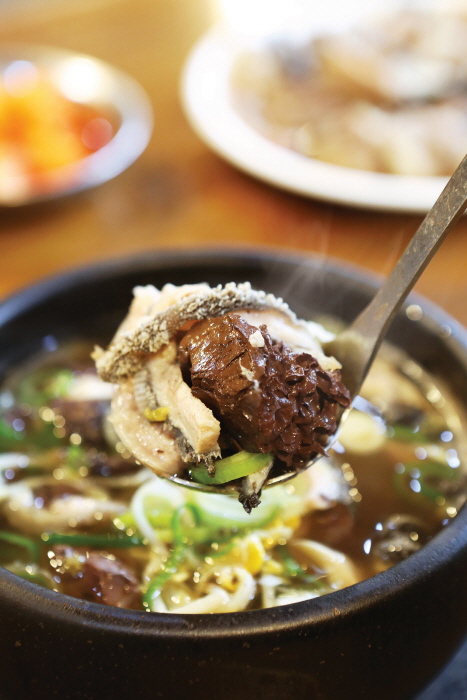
(179, 194)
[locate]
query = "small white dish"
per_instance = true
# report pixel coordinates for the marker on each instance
(83, 80)
(207, 98)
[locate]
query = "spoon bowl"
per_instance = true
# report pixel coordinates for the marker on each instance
(357, 345)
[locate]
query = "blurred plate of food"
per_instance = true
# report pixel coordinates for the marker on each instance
(68, 122)
(373, 115)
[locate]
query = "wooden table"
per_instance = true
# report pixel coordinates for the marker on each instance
(179, 194)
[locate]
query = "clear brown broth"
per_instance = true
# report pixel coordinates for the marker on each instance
(377, 490)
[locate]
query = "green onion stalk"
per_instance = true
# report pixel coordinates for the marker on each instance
(104, 541)
(431, 472)
(21, 541)
(176, 557)
(234, 467)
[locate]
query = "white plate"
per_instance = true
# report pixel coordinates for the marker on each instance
(84, 80)
(206, 95)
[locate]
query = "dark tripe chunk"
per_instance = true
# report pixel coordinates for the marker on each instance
(268, 398)
(97, 577)
(400, 536)
(110, 581)
(50, 491)
(113, 465)
(83, 417)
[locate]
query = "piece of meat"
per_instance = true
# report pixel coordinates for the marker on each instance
(51, 490)
(148, 442)
(83, 417)
(186, 411)
(95, 576)
(109, 582)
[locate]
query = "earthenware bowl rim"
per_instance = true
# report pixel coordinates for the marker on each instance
(349, 601)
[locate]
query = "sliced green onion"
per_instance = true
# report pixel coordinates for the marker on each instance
(59, 384)
(435, 471)
(176, 556)
(44, 437)
(223, 551)
(195, 511)
(156, 497)
(43, 385)
(7, 432)
(290, 564)
(258, 523)
(76, 457)
(234, 467)
(39, 435)
(9, 437)
(21, 541)
(405, 434)
(430, 473)
(32, 573)
(106, 541)
(162, 522)
(221, 511)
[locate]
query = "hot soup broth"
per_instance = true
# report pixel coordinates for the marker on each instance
(78, 515)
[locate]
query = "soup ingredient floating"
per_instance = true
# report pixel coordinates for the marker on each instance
(78, 515)
(221, 386)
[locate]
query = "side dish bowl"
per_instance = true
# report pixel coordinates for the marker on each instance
(69, 122)
(385, 637)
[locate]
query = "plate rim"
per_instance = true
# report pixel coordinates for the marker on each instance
(206, 98)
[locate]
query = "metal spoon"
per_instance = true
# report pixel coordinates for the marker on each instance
(357, 345)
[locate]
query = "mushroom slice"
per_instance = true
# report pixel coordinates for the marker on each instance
(109, 581)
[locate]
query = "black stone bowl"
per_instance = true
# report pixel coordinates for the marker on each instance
(384, 638)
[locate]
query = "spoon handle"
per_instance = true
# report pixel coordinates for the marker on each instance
(366, 333)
